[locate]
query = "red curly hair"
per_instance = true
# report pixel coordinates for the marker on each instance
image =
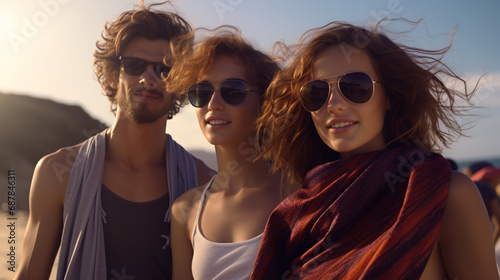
(196, 59)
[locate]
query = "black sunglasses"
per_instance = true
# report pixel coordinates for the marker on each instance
(356, 87)
(135, 67)
(232, 91)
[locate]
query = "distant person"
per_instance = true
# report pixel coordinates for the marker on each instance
(389, 207)
(488, 177)
(453, 164)
(110, 216)
(475, 166)
(485, 171)
(217, 228)
(492, 202)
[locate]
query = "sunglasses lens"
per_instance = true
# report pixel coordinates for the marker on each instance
(136, 67)
(200, 94)
(233, 92)
(314, 95)
(356, 87)
(133, 67)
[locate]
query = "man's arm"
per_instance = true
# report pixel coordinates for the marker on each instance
(45, 223)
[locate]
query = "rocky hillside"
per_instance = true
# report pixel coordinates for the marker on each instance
(31, 128)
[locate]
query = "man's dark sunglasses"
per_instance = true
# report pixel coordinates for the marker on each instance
(135, 67)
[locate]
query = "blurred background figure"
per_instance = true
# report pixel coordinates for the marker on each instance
(485, 171)
(475, 166)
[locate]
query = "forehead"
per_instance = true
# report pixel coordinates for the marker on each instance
(224, 67)
(340, 59)
(151, 50)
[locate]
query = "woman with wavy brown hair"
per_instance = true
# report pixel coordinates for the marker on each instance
(369, 117)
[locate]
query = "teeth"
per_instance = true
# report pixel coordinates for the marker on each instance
(342, 124)
(216, 122)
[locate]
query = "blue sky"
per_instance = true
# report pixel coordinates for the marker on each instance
(46, 48)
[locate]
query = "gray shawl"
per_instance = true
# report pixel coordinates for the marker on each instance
(82, 253)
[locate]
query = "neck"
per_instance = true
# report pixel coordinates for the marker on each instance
(136, 144)
(237, 169)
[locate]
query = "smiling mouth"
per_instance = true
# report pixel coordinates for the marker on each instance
(218, 122)
(342, 124)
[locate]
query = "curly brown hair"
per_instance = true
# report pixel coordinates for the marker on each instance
(196, 59)
(422, 107)
(143, 22)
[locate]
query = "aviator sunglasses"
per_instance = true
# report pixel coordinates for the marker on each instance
(356, 87)
(135, 67)
(232, 91)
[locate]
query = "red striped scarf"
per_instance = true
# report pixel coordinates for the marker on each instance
(372, 216)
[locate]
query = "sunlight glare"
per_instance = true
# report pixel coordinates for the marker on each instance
(7, 23)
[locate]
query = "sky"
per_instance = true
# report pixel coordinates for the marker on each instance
(46, 48)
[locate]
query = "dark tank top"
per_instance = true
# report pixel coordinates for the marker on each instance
(136, 237)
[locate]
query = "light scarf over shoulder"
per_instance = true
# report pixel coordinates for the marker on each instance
(82, 254)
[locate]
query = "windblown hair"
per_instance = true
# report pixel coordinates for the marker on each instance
(195, 60)
(142, 22)
(422, 107)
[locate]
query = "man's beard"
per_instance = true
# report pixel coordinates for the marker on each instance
(139, 112)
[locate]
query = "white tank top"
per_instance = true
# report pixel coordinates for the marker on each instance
(213, 260)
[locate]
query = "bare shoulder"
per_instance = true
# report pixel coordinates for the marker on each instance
(462, 188)
(465, 237)
(45, 223)
(464, 200)
(185, 208)
(186, 205)
(65, 156)
(53, 170)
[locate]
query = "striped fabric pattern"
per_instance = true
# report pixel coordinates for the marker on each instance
(372, 216)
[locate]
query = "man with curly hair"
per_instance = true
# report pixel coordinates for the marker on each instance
(108, 210)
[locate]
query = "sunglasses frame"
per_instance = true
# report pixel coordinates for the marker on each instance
(330, 88)
(156, 66)
(212, 91)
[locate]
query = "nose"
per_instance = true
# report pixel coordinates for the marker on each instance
(216, 102)
(336, 102)
(149, 78)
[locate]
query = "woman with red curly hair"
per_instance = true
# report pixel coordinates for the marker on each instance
(217, 228)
